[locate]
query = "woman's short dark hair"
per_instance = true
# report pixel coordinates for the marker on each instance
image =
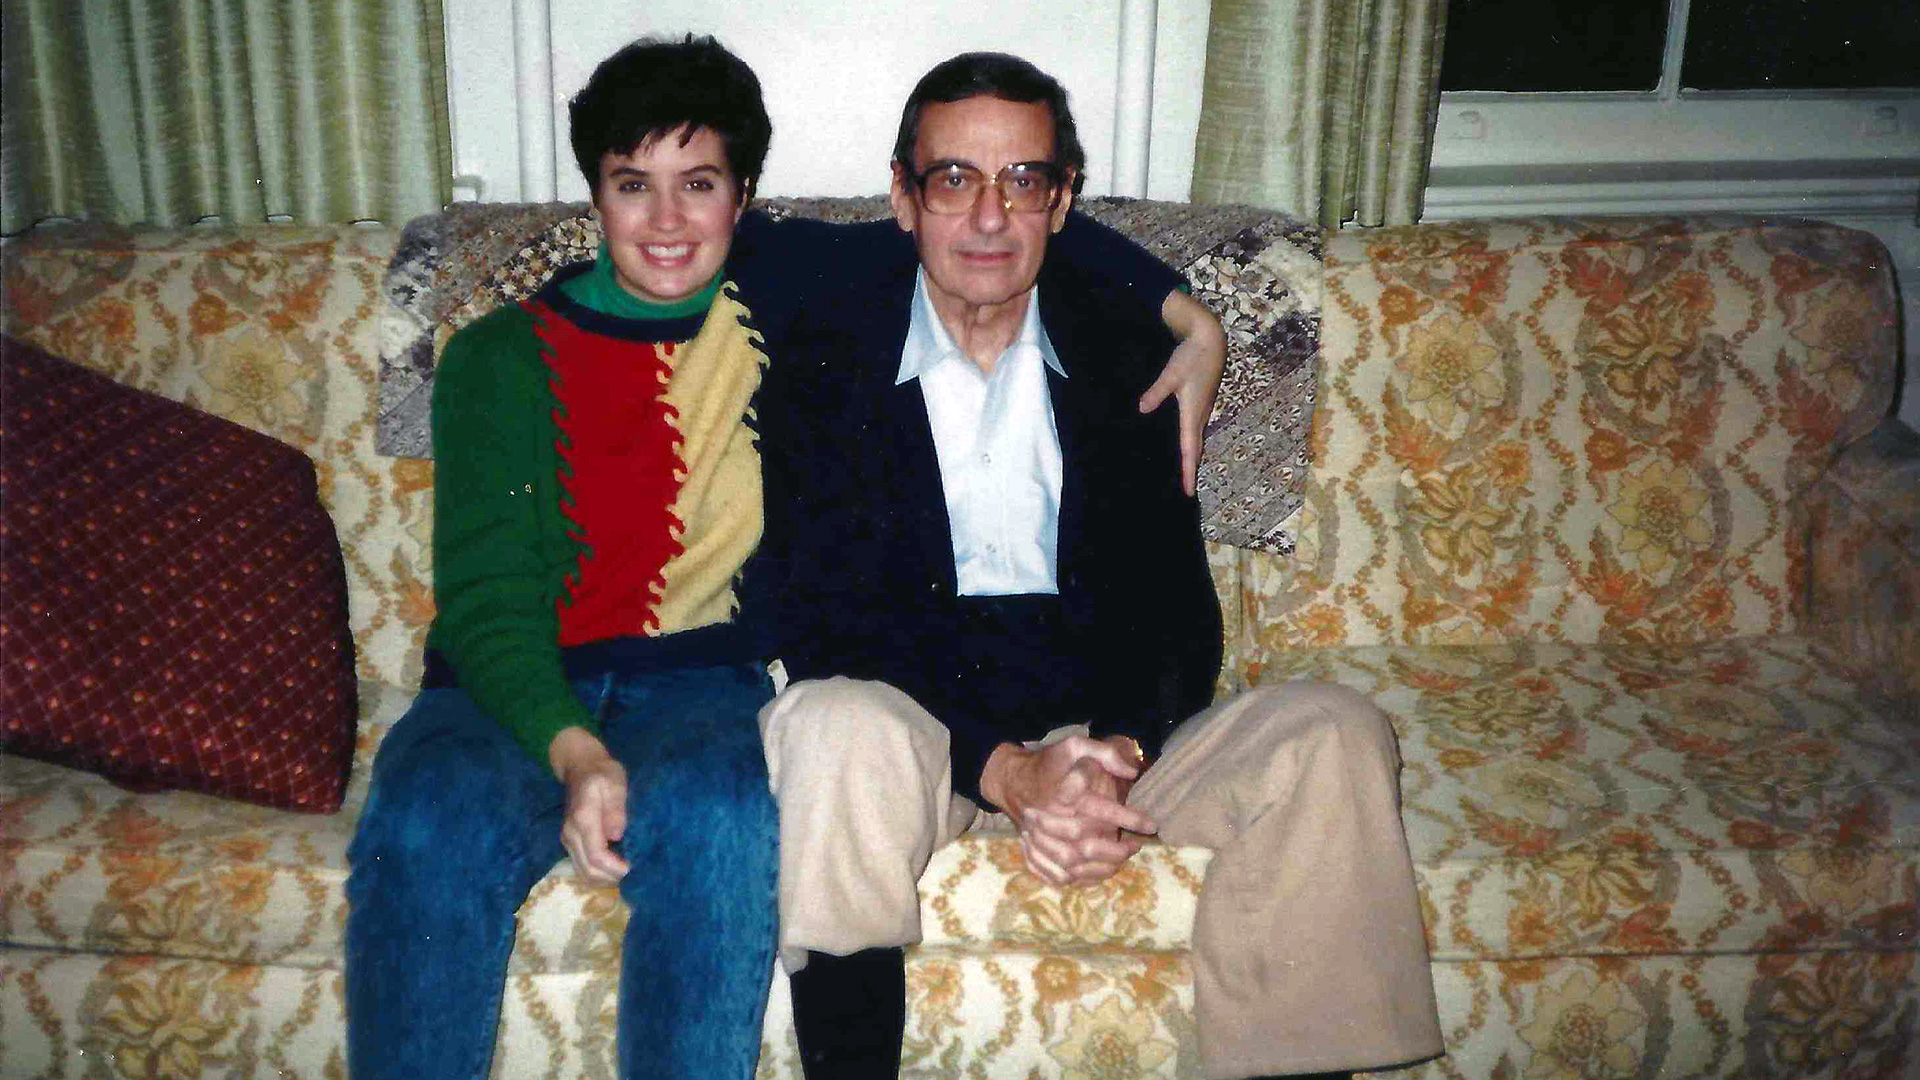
(996, 75)
(654, 86)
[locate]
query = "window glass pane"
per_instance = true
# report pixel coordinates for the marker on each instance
(1801, 44)
(1539, 45)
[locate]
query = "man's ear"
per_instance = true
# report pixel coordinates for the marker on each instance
(1066, 201)
(906, 213)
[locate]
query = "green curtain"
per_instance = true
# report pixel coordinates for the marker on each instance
(164, 112)
(1321, 108)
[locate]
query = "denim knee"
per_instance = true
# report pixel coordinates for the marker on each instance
(453, 802)
(439, 864)
(694, 797)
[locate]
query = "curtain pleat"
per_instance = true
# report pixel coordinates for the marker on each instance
(34, 50)
(1321, 108)
(164, 112)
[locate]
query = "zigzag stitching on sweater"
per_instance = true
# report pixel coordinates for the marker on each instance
(758, 339)
(632, 510)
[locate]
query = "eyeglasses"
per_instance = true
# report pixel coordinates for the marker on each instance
(1025, 187)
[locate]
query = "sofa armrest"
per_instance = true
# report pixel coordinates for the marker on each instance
(1863, 596)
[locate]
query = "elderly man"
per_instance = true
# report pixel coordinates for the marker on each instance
(999, 603)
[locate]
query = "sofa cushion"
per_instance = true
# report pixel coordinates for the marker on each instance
(1621, 800)
(175, 609)
(1587, 430)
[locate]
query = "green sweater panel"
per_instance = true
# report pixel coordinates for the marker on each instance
(501, 547)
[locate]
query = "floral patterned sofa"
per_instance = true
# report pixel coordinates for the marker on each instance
(1606, 513)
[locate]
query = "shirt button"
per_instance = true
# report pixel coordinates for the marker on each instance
(986, 458)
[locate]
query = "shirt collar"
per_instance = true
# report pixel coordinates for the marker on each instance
(929, 345)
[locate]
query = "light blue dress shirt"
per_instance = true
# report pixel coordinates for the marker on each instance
(998, 447)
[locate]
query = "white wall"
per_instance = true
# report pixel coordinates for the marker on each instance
(834, 73)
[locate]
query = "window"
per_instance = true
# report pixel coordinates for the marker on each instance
(1712, 93)
(1578, 45)
(1528, 45)
(1771, 44)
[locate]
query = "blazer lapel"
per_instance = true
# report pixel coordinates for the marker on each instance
(1073, 477)
(1062, 321)
(916, 471)
(905, 436)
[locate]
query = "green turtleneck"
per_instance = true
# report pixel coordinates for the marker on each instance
(600, 289)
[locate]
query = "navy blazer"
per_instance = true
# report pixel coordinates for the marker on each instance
(857, 523)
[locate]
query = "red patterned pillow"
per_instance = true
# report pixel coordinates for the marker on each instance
(173, 605)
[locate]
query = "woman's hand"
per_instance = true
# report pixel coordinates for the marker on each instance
(596, 804)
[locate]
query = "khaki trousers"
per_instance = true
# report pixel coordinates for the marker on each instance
(1308, 949)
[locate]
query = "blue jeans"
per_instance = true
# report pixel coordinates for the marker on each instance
(461, 823)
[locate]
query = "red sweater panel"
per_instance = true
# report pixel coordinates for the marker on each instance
(621, 473)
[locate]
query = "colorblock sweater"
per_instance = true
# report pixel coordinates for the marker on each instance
(597, 486)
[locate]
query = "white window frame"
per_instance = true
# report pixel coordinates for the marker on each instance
(1823, 153)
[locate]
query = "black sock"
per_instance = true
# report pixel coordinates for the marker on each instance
(850, 1014)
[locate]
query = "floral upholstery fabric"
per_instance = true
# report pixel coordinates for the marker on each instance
(1663, 820)
(1568, 430)
(1866, 564)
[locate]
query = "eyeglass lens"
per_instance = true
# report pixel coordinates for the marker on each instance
(952, 189)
